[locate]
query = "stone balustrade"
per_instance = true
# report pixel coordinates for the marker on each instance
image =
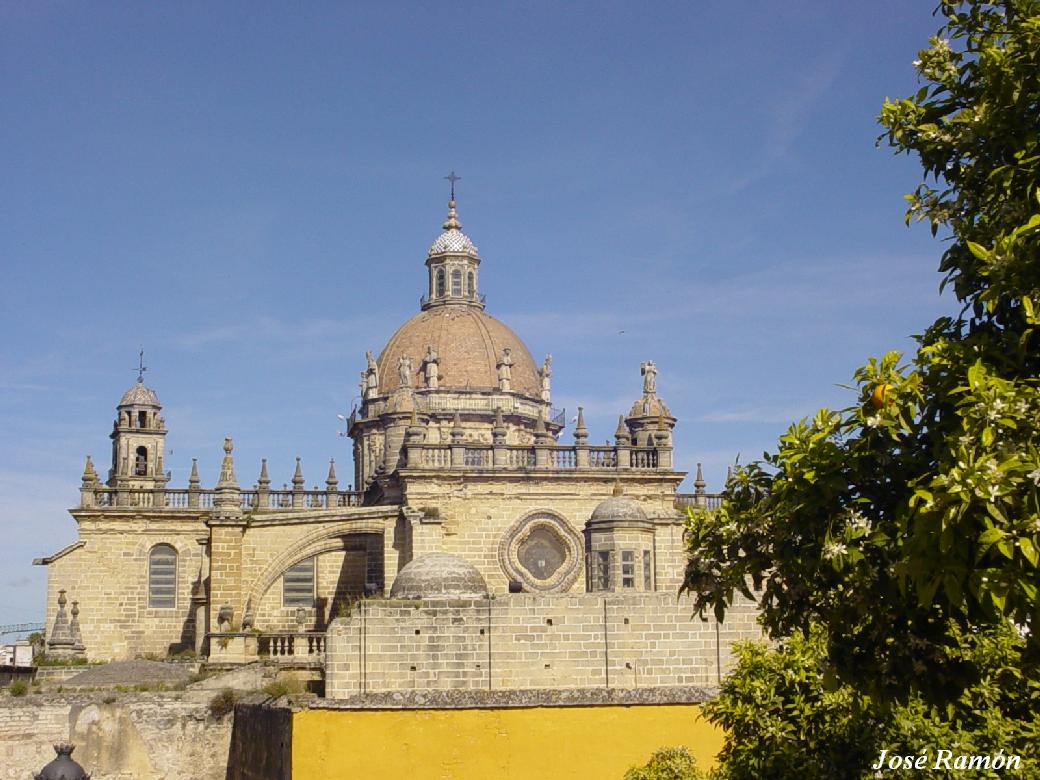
(505, 457)
(189, 498)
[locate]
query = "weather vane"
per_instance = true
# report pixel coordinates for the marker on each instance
(140, 366)
(452, 178)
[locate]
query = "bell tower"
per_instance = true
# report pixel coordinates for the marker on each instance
(138, 438)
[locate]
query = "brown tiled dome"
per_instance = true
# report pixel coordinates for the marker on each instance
(469, 344)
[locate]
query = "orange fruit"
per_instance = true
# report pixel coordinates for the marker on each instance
(880, 396)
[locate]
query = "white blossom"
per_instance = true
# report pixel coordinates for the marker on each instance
(832, 550)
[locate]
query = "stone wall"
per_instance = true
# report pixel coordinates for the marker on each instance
(475, 512)
(168, 736)
(108, 576)
(523, 641)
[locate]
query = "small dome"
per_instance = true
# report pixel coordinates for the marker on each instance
(453, 241)
(619, 511)
(439, 575)
(649, 406)
(139, 395)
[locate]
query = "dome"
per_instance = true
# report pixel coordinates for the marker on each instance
(649, 406)
(468, 343)
(139, 395)
(439, 575)
(454, 241)
(619, 511)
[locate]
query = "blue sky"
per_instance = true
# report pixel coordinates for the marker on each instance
(247, 190)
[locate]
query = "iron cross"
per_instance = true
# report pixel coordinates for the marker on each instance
(452, 178)
(140, 366)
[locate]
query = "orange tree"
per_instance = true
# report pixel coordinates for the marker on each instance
(904, 526)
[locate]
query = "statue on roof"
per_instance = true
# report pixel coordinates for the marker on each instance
(649, 372)
(431, 364)
(404, 370)
(505, 370)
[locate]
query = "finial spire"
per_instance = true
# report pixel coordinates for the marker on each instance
(330, 481)
(141, 368)
(453, 178)
(227, 467)
(452, 222)
(298, 475)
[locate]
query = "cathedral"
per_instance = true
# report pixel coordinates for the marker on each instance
(469, 511)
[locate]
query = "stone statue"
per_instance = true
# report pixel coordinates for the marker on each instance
(363, 384)
(505, 370)
(430, 360)
(649, 372)
(404, 370)
(372, 376)
(545, 373)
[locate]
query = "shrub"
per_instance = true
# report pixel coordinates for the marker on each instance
(223, 703)
(276, 689)
(667, 764)
(18, 688)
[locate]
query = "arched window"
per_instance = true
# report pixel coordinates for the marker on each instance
(469, 284)
(141, 462)
(162, 577)
(298, 585)
(440, 283)
(456, 282)
(142, 419)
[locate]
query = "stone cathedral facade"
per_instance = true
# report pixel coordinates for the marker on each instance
(469, 511)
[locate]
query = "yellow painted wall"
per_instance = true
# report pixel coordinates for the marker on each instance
(496, 744)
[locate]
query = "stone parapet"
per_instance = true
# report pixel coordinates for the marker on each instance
(646, 640)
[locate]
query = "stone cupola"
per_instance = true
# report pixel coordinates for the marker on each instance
(138, 439)
(452, 262)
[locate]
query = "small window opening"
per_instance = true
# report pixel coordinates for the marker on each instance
(469, 284)
(142, 419)
(456, 282)
(603, 570)
(440, 283)
(141, 462)
(628, 569)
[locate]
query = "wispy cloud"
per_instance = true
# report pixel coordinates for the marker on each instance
(261, 329)
(792, 111)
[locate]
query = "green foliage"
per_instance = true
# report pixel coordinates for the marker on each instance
(43, 660)
(899, 523)
(667, 764)
(18, 688)
(276, 689)
(785, 718)
(223, 703)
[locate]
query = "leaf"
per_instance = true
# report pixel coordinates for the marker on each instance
(979, 251)
(1025, 544)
